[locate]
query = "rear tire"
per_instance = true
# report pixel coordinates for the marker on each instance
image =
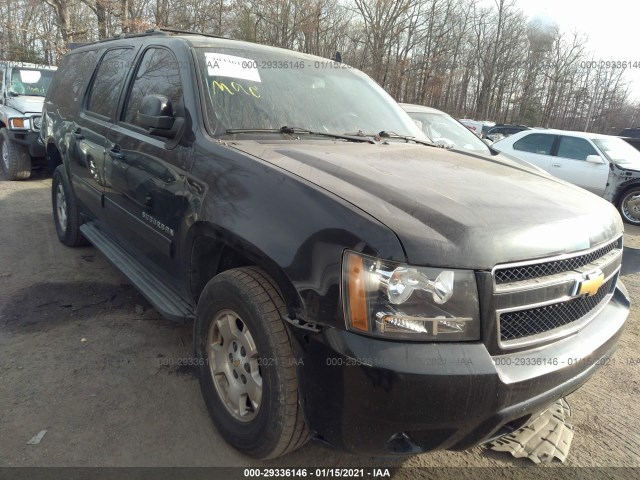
(65, 210)
(246, 366)
(629, 206)
(14, 159)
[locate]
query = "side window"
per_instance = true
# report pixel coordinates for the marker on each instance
(158, 73)
(539, 143)
(575, 148)
(107, 84)
(69, 81)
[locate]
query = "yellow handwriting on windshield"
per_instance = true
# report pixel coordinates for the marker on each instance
(232, 88)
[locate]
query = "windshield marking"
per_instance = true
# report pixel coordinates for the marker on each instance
(221, 65)
(251, 91)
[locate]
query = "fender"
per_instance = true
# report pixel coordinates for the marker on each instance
(619, 180)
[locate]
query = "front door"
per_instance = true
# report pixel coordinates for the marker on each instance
(570, 164)
(145, 174)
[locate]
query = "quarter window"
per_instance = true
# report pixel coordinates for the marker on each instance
(539, 143)
(158, 74)
(68, 83)
(575, 148)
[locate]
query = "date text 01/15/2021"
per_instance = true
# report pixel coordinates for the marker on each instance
(317, 472)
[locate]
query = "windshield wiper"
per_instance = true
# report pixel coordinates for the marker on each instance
(296, 130)
(406, 138)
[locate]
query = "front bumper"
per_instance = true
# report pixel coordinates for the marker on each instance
(30, 140)
(380, 397)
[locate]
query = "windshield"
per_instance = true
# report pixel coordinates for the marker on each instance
(30, 81)
(444, 130)
(249, 89)
(617, 150)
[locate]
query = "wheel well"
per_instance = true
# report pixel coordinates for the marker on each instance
(209, 257)
(53, 157)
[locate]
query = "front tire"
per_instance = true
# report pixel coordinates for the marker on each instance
(245, 364)
(629, 206)
(65, 210)
(14, 159)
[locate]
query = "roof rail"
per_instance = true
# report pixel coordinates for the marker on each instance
(146, 33)
(187, 32)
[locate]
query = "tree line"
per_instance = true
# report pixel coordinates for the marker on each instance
(470, 58)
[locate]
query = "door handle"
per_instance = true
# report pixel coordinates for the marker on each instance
(77, 134)
(116, 154)
(555, 165)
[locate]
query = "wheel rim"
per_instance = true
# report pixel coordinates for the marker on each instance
(234, 367)
(61, 207)
(5, 155)
(631, 206)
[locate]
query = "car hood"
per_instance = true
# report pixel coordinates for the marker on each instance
(26, 103)
(449, 209)
(635, 166)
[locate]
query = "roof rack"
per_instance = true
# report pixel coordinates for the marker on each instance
(188, 32)
(146, 33)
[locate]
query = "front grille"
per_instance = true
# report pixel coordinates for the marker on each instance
(526, 272)
(533, 321)
(536, 300)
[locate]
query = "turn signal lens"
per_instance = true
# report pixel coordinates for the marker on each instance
(357, 292)
(19, 123)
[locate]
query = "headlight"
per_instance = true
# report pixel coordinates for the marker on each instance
(398, 301)
(37, 122)
(19, 123)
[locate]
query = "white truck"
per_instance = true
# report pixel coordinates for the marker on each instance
(23, 87)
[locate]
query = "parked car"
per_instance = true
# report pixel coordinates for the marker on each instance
(633, 132)
(631, 136)
(501, 131)
(477, 127)
(602, 164)
(22, 90)
(444, 130)
(634, 142)
(347, 280)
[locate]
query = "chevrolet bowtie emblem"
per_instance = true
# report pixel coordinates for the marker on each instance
(591, 283)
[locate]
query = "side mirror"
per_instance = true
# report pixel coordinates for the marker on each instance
(594, 159)
(487, 142)
(156, 115)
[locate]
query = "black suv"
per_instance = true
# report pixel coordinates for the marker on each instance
(631, 136)
(347, 280)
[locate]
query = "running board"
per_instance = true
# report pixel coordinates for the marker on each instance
(165, 299)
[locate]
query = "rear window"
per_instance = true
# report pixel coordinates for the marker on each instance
(539, 143)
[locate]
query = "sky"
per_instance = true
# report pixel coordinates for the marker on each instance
(611, 27)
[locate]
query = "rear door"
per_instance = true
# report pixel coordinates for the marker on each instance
(145, 173)
(87, 135)
(570, 164)
(535, 148)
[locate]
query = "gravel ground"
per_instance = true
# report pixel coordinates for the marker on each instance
(81, 356)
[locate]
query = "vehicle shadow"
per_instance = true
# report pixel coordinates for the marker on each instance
(42, 306)
(630, 261)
